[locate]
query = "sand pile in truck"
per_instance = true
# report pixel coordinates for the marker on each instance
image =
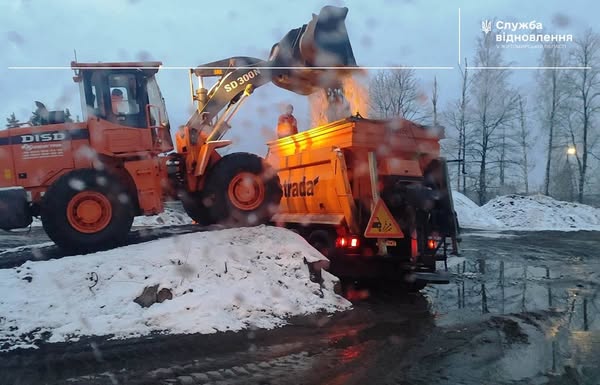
(213, 281)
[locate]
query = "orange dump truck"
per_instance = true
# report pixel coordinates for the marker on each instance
(371, 195)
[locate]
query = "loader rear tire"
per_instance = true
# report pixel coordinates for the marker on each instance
(87, 210)
(242, 190)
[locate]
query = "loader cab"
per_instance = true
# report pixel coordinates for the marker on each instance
(125, 94)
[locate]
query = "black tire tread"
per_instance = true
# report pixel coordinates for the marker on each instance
(56, 224)
(217, 183)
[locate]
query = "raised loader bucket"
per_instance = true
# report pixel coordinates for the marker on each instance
(316, 55)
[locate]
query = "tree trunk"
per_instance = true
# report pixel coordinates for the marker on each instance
(551, 133)
(482, 193)
(524, 146)
(463, 132)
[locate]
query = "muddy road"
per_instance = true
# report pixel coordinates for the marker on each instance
(522, 308)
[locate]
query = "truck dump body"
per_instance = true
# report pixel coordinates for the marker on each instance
(327, 189)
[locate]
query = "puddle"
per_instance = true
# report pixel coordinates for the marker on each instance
(488, 234)
(556, 305)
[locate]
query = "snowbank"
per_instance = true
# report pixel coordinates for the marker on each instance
(471, 216)
(525, 213)
(169, 217)
(539, 212)
(222, 280)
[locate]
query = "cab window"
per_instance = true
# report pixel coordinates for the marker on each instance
(123, 96)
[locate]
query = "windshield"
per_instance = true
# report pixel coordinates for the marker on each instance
(159, 114)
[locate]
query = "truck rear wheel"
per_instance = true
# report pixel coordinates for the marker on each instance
(242, 190)
(87, 210)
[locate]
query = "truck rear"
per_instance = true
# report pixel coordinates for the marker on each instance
(371, 195)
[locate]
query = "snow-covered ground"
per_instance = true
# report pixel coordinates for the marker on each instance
(525, 213)
(220, 280)
(169, 217)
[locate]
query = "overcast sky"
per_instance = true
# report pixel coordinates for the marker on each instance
(188, 33)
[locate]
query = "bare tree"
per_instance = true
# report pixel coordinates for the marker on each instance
(525, 144)
(456, 116)
(396, 93)
(494, 105)
(585, 93)
(502, 161)
(552, 94)
(434, 100)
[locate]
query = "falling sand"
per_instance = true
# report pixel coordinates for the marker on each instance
(330, 105)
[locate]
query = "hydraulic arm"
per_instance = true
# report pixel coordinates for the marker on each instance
(307, 59)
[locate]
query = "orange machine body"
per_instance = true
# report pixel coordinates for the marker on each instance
(35, 157)
(312, 165)
(334, 178)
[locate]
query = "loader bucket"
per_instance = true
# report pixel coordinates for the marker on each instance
(314, 56)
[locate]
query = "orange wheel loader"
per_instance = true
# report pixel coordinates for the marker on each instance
(88, 180)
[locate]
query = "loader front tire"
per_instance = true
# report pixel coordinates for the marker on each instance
(195, 209)
(87, 210)
(242, 190)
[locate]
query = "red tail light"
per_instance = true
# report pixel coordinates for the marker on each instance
(351, 242)
(414, 249)
(431, 244)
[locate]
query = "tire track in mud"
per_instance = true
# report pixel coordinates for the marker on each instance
(310, 347)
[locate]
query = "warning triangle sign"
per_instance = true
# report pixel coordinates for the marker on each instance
(382, 224)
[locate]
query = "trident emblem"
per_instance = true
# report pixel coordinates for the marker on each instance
(486, 26)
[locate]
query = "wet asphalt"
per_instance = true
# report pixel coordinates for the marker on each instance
(522, 308)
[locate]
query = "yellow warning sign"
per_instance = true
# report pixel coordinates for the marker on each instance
(382, 224)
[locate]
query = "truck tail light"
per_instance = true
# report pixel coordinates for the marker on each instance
(431, 244)
(350, 242)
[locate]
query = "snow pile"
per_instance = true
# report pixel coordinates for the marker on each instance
(222, 280)
(471, 216)
(169, 217)
(539, 212)
(522, 213)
